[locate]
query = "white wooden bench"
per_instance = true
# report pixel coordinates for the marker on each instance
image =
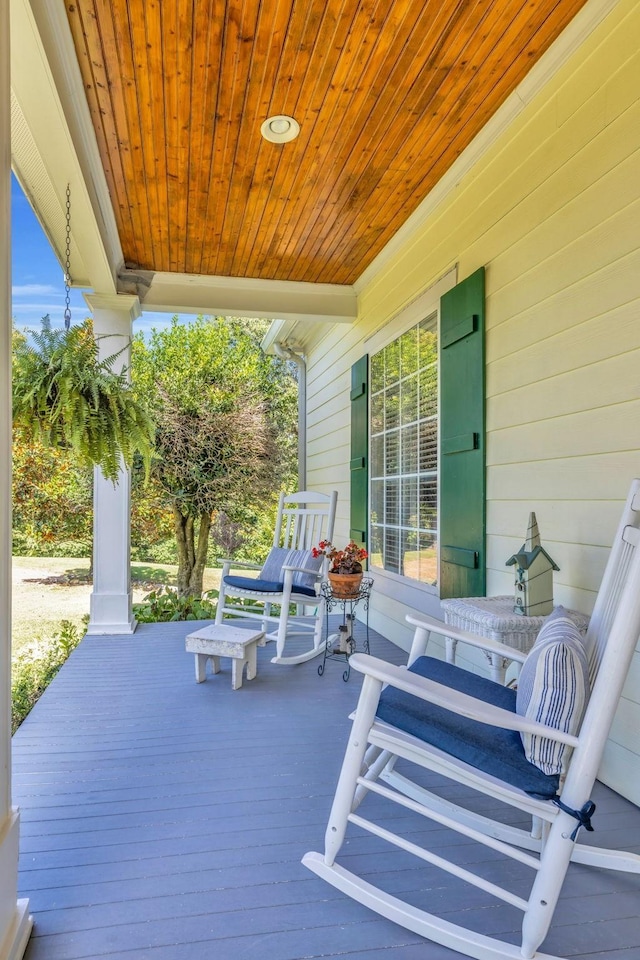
(215, 641)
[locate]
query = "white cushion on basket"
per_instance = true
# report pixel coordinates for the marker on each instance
(280, 557)
(553, 688)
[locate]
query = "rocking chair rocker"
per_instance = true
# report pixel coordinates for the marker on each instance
(442, 718)
(290, 575)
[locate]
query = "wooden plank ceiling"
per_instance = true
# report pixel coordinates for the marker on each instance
(387, 94)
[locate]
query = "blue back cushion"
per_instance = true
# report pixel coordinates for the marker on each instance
(272, 569)
(494, 750)
(280, 557)
(305, 559)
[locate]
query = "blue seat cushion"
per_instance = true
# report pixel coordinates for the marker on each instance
(493, 750)
(266, 586)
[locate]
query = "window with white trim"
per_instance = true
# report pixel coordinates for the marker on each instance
(404, 454)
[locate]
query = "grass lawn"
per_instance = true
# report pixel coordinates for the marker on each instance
(47, 590)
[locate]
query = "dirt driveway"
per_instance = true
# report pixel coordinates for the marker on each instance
(47, 590)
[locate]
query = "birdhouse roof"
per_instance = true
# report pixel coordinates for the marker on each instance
(525, 558)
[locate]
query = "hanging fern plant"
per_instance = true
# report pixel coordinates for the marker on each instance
(65, 396)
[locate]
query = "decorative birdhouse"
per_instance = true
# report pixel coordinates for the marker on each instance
(534, 575)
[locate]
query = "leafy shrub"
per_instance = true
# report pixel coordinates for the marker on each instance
(163, 551)
(71, 548)
(26, 546)
(165, 605)
(35, 667)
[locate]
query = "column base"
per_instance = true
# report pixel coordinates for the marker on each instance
(15, 920)
(112, 629)
(111, 614)
(17, 937)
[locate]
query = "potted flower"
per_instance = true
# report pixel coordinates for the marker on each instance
(345, 566)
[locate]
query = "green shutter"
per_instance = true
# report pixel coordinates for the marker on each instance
(462, 440)
(359, 465)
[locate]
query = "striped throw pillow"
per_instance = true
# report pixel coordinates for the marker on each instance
(280, 557)
(306, 560)
(272, 569)
(553, 688)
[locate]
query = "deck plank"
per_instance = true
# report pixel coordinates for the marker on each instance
(165, 819)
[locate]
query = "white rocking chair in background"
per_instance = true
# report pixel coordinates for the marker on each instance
(430, 713)
(290, 575)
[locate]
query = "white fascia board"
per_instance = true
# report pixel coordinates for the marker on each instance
(244, 297)
(571, 38)
(278, 332)
(291, 333)
(53, 143)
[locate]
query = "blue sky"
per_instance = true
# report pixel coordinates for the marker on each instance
(37, 282)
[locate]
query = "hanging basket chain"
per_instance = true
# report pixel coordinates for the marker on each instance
(67, 263)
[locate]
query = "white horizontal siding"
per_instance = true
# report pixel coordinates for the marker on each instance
(552, 210)
(609, 429)
(568, 390)
(328, 419)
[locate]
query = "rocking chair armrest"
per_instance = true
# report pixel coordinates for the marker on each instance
(288, 573)
(443, 696)
(431, 625)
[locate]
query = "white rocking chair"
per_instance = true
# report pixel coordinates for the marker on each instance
(419, 715)
(290, 575)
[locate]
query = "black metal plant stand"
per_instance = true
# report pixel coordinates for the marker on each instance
(341, 645)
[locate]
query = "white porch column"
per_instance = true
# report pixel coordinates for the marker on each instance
(15, 922)
(110, 604)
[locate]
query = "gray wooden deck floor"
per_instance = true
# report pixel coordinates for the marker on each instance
(165, 820)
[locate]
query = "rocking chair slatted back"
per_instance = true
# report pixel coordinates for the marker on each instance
(611, 642)
(302, 523)
(615, 576)
(285, 595)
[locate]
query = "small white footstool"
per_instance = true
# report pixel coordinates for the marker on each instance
(217, 641)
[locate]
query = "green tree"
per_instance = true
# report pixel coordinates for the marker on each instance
(53, 505)
(52, 500)
(65, 397)
(151, 523)
(223, 413)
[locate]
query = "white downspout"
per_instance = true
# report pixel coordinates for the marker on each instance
(287, 354)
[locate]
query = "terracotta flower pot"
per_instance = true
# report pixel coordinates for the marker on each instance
(345, 585)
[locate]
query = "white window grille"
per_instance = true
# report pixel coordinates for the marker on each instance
(404, 454)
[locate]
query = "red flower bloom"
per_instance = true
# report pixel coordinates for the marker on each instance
(348, 560)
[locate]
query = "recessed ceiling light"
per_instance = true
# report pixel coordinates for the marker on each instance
(280, 129)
